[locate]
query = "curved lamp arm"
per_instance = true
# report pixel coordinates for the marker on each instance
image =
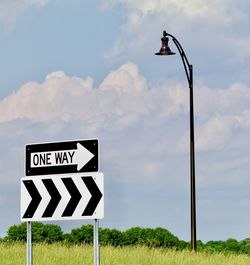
(187, 65)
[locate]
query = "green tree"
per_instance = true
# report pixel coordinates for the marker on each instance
(16, 233)
(132, 236)
(166, 239)
(231, 245)
(40, 233)
(213, 246)
(111, 237)
(47, 233)
(82, 235)
(245, 246)
(158, 237)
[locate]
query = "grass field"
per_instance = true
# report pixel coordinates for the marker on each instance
(15, 254)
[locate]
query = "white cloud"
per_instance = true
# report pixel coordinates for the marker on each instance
(126, 79)
(147, 125)
(221, 23)
(192, 8)
(43, 102)
(123, 101)
(215, 133)
(10, 10)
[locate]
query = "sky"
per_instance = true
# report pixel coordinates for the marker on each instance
(73, 69)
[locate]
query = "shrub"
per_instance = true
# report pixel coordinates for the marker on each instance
(158, 237)
(82, 235)
(212, 246)
(132, 236)
(165, 238)
(245, 246)
(16, 233)
(111, 237)
(40, 233)
(46, 233)
(231, 245)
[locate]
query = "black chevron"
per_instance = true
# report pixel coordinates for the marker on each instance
(75, 197)
(35, 198)
(96, 196)
(55, 197)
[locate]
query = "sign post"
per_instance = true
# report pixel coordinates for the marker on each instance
(96, 243)
(29, 244)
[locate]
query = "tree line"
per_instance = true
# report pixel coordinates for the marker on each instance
(150, 237)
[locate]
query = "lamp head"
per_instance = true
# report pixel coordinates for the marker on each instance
(165, 50)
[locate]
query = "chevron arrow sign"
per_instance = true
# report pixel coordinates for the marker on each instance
(61, 157)
(62, 197)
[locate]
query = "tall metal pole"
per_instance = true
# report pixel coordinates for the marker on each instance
(189, 73)
(192, 164)
(165, 50)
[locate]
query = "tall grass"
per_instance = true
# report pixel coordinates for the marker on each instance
(56, 254)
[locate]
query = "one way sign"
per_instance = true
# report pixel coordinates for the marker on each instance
(61, 157)
(73, 197)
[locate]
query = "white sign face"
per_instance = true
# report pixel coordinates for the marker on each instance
(80, 157)
(62, 197)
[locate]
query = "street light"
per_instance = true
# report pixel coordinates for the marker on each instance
(165, 50)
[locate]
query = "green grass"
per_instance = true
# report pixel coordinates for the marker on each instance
(56, 254)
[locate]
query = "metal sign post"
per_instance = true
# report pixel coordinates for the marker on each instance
(96, 243)
(29, 244)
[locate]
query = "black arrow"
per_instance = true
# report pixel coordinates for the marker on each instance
(35, 196)
(75, 196)
(55, 197)
(96, 196)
